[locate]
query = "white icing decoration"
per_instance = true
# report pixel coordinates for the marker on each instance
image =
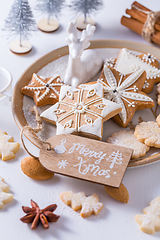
(68, 124)
(115, 158)
(60, 148)
(82, 65)
(44, 86)
(122, 90)
(88, 120)
(149, 58)
(110, 62)
(79, 106)
(91, 93)
(126, 59)
(63, 164)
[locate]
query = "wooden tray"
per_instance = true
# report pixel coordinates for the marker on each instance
(17, 99)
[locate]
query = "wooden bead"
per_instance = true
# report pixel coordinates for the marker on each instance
(33, 169)
(44, 26)
(16, 48)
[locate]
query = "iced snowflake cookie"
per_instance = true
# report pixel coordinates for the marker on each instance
(88, 205)
(43, 90)
(148, 133)
(127, 139)
(150, 220)
(8, 147)
(128, 62)
(5, 197)
(125, 90)
(81, 111)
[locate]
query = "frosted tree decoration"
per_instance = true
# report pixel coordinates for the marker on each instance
(82, 65)
(51, 8)
(115, 158)
(20, 22)
(85, 7)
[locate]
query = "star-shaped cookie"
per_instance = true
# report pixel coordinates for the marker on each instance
(127, 62)
(43, 90)
(125, 90)
(81, 111)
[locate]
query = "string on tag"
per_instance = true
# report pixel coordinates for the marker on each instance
(148, 28)
(31, 132)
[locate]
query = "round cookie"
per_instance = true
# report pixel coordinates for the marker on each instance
(33, 169)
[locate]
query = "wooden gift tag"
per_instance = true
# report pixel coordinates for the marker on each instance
(86, 159)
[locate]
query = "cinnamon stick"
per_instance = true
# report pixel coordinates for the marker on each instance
(137, 27)
(140, 16)
(140, 6)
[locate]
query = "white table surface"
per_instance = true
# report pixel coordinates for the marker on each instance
(116, 220)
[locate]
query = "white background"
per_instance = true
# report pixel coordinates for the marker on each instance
(116, 220)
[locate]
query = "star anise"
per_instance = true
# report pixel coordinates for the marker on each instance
(35, 215)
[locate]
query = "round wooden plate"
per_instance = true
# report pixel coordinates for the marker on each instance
(17, 99)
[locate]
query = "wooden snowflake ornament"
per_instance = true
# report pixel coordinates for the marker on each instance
(43, 90)
(8, 147)
(5, 197)
(125, 90)
(81, 111)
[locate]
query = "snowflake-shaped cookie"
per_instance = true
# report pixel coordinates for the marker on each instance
(8, 147)
(127, 60)
(81, 111)
(125, 90)
(43, 90)
(88, 205)
(148, 133)
(150, 220)
(5, 197)
(127, 139)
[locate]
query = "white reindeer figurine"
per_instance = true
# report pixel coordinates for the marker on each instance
(83, 68)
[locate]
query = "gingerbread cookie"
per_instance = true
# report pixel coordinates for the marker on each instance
(33, 169)
(5, 197)
(125, 90)
(150, 220)
(128, 62)
(148, 133)
(81, 111)
(8, 147)
(128, 139)
(43, 90)
(88, 205)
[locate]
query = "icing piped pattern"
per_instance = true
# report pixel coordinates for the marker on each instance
(43, 88)
(128, 62)
(83, 113)
(123, 91)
